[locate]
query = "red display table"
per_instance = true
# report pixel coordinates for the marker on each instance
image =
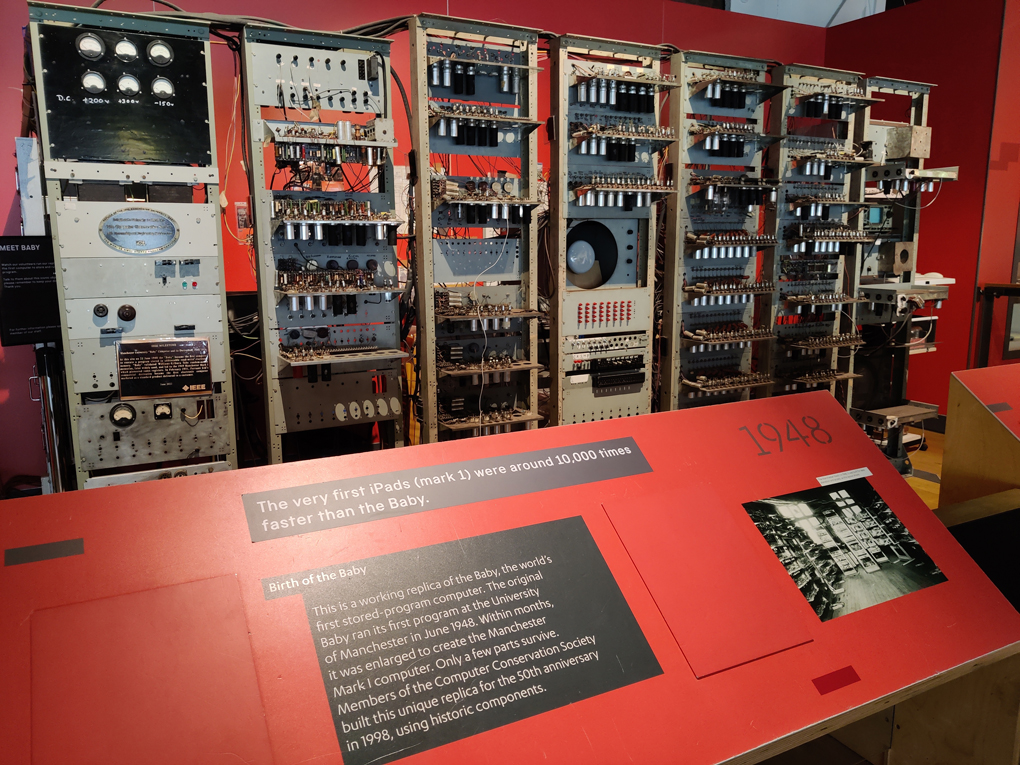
(679, 587)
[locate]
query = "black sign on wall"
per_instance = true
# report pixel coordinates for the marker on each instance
(425, 647)
(179, 367)
(29, 312)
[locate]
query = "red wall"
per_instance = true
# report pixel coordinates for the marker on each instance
(1002, 190)
(962, 60)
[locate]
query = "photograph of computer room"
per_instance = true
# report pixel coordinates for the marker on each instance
(843, 547)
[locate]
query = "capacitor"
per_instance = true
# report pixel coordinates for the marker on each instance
(622, 98)
(318, 232)
(603, 144)
(601, 199)
(347, 235)
(648, 199)
(610, 199)
(504, 80)
(612, 93)
(619, 199)
(506, 325)
(590, 198)
(773, 195)
(632, 152)
(582, 92)
(582, 146)
(295, 303)
(309, 302)
(288, 230)
(642, 102)
(710, 193)
(505, 212)
(380, 231)
(369, 155)
(434, 74)
(360, 235)
(640, 199)
(304, 231)
(441, 126)
(458, 79)
(454, 129)
(494, 213)
(515, 82)
(469, 80)
(493, 134)
(447, 73)
(471, 133)
(593, 146)
(322, 302)
(603, 91)
(580, 200)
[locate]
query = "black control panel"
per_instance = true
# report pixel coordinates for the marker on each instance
(124, 97)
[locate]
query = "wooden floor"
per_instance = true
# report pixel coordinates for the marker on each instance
(927, 464)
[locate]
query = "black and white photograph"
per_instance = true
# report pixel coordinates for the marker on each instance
(843, 546)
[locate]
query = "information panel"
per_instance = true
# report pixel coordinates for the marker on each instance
(424, 647)
(316, 507)
(150, 368)
(28, 291)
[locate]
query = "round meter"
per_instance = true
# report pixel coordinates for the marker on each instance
(160, 53)
(122, 415)
(128, 85)
(90, 46)
(126, 50)
(161, 86)
(93, 82)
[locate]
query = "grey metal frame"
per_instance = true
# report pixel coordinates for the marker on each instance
(282, 397)
(682, 355)
(41, 14)
(428, 375)
(572, 341)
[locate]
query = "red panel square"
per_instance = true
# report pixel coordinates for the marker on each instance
(161, 676)
(714, 586)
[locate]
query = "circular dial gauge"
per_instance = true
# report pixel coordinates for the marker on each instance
(161, 86)
(93, 82)
(126, 50)
(128, 85)
(90, 46)
(122, 415)
(160, 53)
